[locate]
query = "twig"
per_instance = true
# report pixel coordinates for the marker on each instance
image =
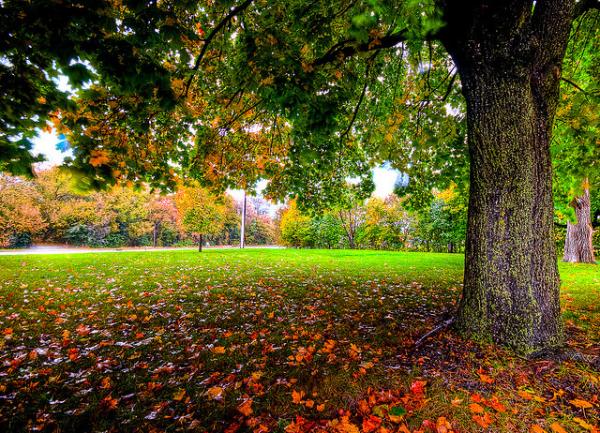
(442, 326)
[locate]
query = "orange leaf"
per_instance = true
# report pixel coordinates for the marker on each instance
(557, 428)
(476, 408)
(246, 407)
(98, 157)
(581, 404)
(483, 420)
(494, 403)
(418, 387)
(537, 429)
(109, 403)
(485, 378)
(219, 350)
(297, 396)
(442, 425)
(371, 423)
(525, 395)
(215, 393)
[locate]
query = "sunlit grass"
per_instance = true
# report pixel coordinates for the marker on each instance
(138, 340)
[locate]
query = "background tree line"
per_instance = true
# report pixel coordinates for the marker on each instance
(51, 209)
(381, 223)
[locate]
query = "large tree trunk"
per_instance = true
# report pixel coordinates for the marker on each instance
(509, 63)
(578, 243)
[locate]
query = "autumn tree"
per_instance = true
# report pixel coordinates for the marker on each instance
(333, 84)
(20, 216)
(200, 212)
(295, 227)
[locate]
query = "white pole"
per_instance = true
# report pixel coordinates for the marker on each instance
(243, 230)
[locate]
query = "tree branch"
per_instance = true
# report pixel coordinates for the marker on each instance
(449, 89)
(572, 83)
(232, 13)
(350, 47)
(360, 99)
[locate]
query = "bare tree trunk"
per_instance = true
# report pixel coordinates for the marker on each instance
(578, 243)
(200, 240)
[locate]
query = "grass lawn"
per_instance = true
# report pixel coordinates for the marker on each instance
(273, 340)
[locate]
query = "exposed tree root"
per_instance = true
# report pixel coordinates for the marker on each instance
(439, 328)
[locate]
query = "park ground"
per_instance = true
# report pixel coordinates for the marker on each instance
(274, 340)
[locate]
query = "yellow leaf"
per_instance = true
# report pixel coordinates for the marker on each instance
(584, 424)
(179, 394)
(581, 404)
(246, 407)
(215, 393)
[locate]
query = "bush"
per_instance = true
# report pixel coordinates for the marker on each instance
(20, 240)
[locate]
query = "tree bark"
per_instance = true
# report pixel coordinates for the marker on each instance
(509, 58)
(200, 240)
(578, 242)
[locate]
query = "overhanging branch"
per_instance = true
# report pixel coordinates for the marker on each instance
(350, 47)
(232, 13)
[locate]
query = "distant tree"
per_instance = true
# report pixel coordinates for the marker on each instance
(163, 215)
(200, 212)
(20, 216)
(441, 225)
(260, 231)
(328, 230)
(386, 224)
(295, 228)
(576, 177)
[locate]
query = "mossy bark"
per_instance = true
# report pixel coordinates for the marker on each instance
(509, 57)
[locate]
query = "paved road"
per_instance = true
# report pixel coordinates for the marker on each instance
(58, 249)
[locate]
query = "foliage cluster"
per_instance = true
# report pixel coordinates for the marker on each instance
(390, 223)
(51, 209)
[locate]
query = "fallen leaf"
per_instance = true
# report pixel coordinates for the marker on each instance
(215, 393)
(581, 404)
(179, 394)
(557, 428)
(476, 408)
(246, 407)
(483, 420)
(297, 396)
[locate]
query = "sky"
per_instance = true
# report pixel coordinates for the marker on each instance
(45, 144)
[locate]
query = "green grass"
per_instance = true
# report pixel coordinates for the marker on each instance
(142, 341)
